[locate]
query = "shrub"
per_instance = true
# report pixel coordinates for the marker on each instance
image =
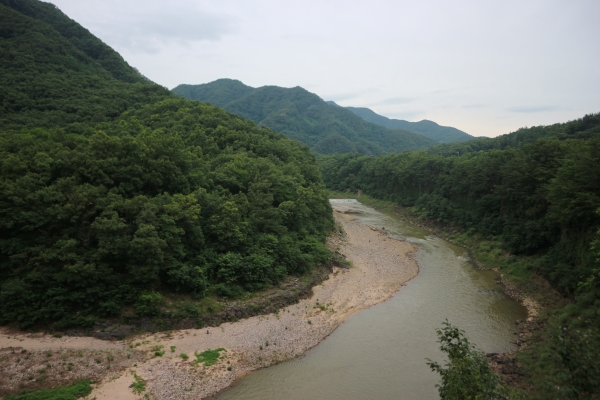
(467, 374)
(148, 304)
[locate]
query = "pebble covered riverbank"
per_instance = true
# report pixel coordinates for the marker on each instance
(379, 267)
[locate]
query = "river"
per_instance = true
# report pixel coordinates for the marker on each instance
(381, 352)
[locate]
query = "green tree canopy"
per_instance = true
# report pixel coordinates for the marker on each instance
(467, 374)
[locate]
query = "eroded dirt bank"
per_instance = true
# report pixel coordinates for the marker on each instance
(380, 266)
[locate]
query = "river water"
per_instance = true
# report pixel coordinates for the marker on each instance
(380, 353)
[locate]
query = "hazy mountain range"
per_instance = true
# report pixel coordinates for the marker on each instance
(442, 134)
(304, 116)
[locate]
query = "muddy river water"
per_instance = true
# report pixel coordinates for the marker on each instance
(381, 352)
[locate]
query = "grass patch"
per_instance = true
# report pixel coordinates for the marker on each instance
(139, 385)
(158, 350)
(76, 391)
(208, 357)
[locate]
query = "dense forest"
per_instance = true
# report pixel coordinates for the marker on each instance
(115, 192)
(540, 197)
(442, 134)
(583, 128)
(55, 72)
(535, 191)
(304, 116)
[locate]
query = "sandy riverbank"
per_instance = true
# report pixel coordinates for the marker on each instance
(380, 267)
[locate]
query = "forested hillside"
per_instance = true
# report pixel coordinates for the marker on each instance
(441, 134)
(304, 116)
(536, 192)
(584, 128)
(54, 72)
(540, 197)
(115, 193)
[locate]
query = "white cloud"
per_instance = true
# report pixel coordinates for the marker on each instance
(149, 26)
(395, 100)
(532, 109)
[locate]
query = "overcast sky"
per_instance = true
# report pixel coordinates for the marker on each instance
(485, 67)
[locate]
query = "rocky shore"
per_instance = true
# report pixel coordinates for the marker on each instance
(503, 364)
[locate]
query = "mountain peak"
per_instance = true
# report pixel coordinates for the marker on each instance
(304, 116)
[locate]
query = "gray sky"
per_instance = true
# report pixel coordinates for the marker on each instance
(486, 67)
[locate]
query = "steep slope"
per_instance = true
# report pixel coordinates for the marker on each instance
(54, 72)
(77, 35)
(304, 116)
(115, 193)
(442, 134)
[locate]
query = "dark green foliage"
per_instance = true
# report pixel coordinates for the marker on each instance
(566, 363)
(55, 73)
(467, 374)
(304, 116)
(80, 37)
(578, 353)
(583, 128)
(539, 198)
(76, 391)
(441, 134)
(229, 290)
(114, 192)
(148, 304)
(197, 196)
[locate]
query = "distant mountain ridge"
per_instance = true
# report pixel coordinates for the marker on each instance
(442, 134)
(304, 116)
(582, 128)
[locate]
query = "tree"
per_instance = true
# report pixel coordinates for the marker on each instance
(577, 357)
(467, 374)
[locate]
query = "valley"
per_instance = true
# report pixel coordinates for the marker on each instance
(220, 238)
(380, 266)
